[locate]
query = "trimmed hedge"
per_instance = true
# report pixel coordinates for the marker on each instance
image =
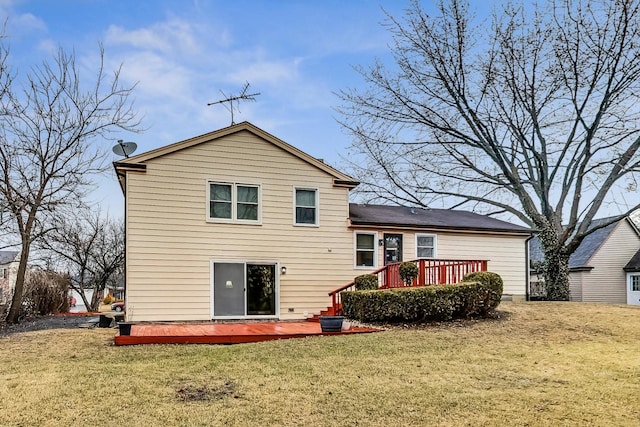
(478, 295)
(366, 282)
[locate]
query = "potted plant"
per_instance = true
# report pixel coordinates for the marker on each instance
(408, 271)
(331, 323)
(125, 327)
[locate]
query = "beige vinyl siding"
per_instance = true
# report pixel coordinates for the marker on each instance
(505, 253)
(170, 244)
(575, 285)
(606, 282)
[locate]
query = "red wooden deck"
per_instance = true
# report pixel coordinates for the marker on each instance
(224, 333)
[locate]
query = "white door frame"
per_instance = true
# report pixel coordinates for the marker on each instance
(633, 297)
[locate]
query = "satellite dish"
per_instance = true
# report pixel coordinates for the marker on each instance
(124, 148)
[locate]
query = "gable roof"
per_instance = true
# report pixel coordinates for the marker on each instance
(137, 163)
(634, 263)
(588, 247)
(401, 216)
(7, 257)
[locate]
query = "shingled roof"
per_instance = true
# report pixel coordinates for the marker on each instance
(8, 256)
(634, 263)
(589, 246)
(401, 216)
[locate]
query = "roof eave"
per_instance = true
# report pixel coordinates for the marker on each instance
(357, 223)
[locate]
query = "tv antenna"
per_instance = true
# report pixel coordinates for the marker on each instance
(237, 98)
(124, 148)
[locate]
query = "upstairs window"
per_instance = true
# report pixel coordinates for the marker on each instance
(306, 206)
(425, 246)
(234, 202)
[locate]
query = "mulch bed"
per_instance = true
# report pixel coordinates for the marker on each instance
(57, 321)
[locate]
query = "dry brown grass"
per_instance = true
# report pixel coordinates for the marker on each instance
(541, 364)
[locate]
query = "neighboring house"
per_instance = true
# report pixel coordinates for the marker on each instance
(8, 269)
(238, 224)
(598, 268)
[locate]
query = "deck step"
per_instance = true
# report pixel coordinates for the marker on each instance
(316, 316)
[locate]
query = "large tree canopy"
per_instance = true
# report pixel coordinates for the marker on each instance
(52, 124)
(533, 112)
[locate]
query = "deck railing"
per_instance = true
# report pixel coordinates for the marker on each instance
(430, 272)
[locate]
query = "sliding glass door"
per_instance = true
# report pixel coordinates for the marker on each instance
(244, 289)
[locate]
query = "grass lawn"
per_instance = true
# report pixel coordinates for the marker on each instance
(540, 364)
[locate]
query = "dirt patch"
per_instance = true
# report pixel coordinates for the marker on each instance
(205, 393)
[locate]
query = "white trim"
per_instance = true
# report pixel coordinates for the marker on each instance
(375, 250)
(435, 244)
(234, 203)
(276, 265)
(633, 297)
(317, 207)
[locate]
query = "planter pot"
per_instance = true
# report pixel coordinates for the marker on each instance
(331, 323)
(125, 328)
(105, 321)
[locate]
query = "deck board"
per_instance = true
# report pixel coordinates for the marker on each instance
(224, 333)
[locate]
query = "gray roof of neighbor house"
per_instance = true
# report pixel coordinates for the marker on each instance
(589, 246)
(634, 263)
(401, 216)
(8, 256)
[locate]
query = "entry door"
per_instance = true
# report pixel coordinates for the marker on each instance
(633, 289)
(392, 248)
(228, 289)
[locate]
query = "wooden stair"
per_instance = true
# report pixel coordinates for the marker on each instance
(328, 312)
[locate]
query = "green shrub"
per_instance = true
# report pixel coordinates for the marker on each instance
(408, 271)
(366, 282)
(420, 304)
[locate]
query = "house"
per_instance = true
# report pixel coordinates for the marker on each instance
(601, 269)
(238, 224)
(8, 269)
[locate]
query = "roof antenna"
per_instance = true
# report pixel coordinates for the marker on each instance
(230, 98)
(124, 148)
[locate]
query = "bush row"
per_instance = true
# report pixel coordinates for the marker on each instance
(477, 295)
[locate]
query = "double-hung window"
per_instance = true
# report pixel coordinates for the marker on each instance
(234, 202)
(425, 246)
(366, 250)
(306, 206)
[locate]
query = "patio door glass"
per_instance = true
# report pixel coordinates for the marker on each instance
(228, 289)
(261, 290)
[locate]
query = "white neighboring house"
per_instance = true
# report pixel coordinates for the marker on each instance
(8, 270)
(604, 267)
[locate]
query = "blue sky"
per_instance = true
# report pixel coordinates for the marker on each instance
(183, 53)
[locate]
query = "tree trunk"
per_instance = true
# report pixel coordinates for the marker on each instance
(555, 270)
(16, 301)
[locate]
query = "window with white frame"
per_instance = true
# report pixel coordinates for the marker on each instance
(635, 283)
(234, 202)
(425, 246)
(366, 249)
(306, 206)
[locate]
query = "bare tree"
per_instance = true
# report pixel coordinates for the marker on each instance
(535, 115)
(51, 129)
(91, 248)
